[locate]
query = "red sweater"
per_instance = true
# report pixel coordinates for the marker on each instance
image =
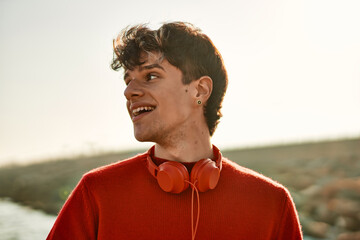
(124, 201)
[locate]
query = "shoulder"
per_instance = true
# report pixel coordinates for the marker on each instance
(256, 191)
(246, 178)
(261, 196)
(116, 170)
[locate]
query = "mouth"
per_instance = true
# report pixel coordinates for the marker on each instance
(142, 110)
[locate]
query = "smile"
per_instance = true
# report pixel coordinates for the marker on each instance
(140, 110)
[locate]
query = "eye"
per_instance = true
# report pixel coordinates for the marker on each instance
(151, 76)
(127, 81)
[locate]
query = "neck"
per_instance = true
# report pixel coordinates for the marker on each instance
(191, 147)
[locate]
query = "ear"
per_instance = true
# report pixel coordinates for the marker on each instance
(204, 86)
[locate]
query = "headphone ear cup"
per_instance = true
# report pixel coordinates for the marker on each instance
(205, 174)
(172, 177)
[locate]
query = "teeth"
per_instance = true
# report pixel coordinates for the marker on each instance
(137, 110)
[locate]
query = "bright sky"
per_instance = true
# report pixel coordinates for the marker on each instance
(294, 71)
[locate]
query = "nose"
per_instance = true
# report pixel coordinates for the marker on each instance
(133, 89)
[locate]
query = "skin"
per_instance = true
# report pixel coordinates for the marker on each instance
(177, 124)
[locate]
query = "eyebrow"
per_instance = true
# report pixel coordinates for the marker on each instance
(147, 67)
(151, 66)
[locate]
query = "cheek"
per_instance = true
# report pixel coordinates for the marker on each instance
(175, 101)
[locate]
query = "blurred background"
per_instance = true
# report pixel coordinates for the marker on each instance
(291, 111)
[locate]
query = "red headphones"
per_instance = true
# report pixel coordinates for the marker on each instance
(173, 176)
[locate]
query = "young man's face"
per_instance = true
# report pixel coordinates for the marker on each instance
(159, 104)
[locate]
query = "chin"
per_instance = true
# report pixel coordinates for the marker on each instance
(146, 135)
(142, 137)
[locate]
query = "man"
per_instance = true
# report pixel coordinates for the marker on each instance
(176, 81)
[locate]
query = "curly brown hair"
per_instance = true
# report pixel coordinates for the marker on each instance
(185, 47)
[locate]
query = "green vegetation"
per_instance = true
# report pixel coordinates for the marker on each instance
(323, 178)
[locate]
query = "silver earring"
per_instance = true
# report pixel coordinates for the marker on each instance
(199, 102)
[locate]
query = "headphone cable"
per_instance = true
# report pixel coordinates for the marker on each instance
(194, 229)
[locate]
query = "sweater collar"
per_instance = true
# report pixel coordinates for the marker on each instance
(189, 165)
